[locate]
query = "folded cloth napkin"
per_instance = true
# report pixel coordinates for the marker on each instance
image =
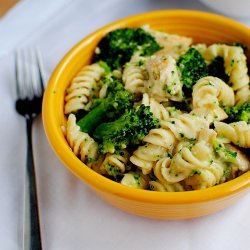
(72, 216)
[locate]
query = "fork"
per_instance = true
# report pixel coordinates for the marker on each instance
(29, 88)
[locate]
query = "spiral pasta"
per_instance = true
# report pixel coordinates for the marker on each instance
(159, 171)
(146, 156)
(134, 77)
(237, 132)
(172, 45)
(82, 88)
(195, 166)
(135, 180)
(159, 111)
(235, 67)
(163, 78)
(209, 92)
(160, 141)
(165, 129)
(115, 162)
(81, 143)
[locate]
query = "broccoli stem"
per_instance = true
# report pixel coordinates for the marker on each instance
(90, 121)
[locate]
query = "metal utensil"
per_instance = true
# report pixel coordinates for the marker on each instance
(29, 87)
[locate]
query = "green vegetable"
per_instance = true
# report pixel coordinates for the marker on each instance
(192, 67)
(112, 171)
(131, 127)
(226, 154)
(193, 172)
(117, 101)
(239, 112)
(118, 46)
(216, 68)
(227, 171)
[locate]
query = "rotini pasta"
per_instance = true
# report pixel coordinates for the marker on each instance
(173, 45)
(235, 67)
(160, 141)
(155, 121)
(81, 143)
(114, 163)
(82, 88)
(209, 92)
(135, 180)
(159, 171)
(159, 111)
(237, 132)
(134, 77)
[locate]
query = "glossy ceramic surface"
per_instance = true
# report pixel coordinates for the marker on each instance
(203, 27)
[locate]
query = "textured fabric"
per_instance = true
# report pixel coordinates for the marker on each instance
(72, 217)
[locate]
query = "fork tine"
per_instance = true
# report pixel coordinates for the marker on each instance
(35, 76)
(29, 79)
(40, 68)
(19, 73)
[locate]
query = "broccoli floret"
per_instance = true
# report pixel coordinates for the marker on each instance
(117, 101)
(216, 68)
(131, 127)
(239, 112)
(192, 67)
(118, 46)
(226, 154)
(112, 171)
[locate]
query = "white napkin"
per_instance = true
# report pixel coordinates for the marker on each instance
(72, 216)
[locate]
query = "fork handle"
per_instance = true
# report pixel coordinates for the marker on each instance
(31, 232)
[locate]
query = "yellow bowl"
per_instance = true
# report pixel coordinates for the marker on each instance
(203, 27)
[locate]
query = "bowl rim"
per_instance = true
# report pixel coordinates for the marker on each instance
(103, 184)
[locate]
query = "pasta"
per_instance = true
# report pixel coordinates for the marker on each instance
(153, 112)
(135, 180)
(81, 143)
(82, 88)
(209, 92)
(235, 67)
(159, 141)
(173, 45)
(159, 111)
(237, 132)
(134, 78)
(115, 161)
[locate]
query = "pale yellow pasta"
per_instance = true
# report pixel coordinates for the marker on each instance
(163, 78)
(235, 67)
(209, 91)
(238, 132)
(145, 157)
(81, 143)
(240, 163)
(185, 126)
(195, 166)
(82, 88)
(158, 110)
(117, 161)
(159, 141)
(210, 114)
(134, 77)
(173, 45)
(190, 148)
(135, 180)
(156, 186)
(159, 172)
